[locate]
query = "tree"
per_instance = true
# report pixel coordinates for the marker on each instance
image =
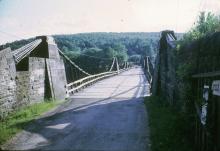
(134, 58)
(207, 23)
(121, 52)
(110, 53)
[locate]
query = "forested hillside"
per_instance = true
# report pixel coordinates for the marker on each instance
(16, 44)
(92, 50)
(122, 45)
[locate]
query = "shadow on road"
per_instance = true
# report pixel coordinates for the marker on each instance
(109, 125)
(113, 123)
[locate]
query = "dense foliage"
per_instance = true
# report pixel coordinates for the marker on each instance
(134, 43)
(168, 127)
(200, 41)
(197, 53)
(207, 23)
(92, 50)
(16, 44)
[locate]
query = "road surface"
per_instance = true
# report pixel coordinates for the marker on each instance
(107, 116)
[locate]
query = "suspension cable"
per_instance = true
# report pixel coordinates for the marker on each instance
(67, 58)
(117, 66)
(94, 56)
(113, 62)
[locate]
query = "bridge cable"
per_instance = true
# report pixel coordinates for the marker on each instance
(113, 62)
(125, 65)
(71, 62)
(24, 51)
(117, 66)
(94, 56)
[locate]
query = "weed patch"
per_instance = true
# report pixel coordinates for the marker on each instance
(17, 121)
(168, 127)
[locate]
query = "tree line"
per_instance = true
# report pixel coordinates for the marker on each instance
(95, 51)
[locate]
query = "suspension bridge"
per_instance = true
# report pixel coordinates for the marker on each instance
(104, 111)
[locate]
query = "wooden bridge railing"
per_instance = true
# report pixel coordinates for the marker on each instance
(90, 79)
(84, 82)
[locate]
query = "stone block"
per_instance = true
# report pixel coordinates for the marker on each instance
(7, 82)
(57, 78)
(37, 79)
(52, 48)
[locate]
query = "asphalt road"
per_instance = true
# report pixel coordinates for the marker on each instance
(108, 116)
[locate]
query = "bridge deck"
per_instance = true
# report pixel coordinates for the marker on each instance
(129, 84)
(110, 115)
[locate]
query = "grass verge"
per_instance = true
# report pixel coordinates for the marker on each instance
(168, 127)
(17, 121)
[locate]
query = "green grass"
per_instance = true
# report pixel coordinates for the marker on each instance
(20, 119)
(168, 127)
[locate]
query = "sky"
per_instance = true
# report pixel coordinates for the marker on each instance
(29, 18)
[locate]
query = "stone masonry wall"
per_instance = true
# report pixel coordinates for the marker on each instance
(30, 84)
(7, 83)
(57, 78)
(42, 78)
(37, 79)
(164, 79)
(24, 89)
(52, 48)
(56, 71)
(22, 82)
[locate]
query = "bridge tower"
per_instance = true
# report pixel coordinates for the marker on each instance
(164, 80)
(31, 74)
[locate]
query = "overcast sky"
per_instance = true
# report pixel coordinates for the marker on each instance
(29, 18)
